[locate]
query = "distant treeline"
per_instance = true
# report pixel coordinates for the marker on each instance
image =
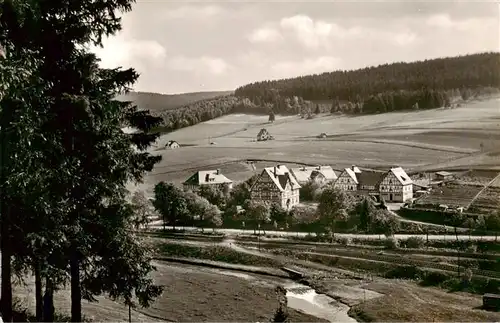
(425, 84)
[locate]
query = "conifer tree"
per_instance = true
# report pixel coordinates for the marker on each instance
(85, 158)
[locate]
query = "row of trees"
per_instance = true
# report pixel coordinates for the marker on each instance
(64, 209)
(194, 113)
(185, 207)
(337, 210)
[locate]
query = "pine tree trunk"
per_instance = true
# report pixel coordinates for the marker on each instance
(6, 289)
(48, 301)
(38, 292)
(76, 293)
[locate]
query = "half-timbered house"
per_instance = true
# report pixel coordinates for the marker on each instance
(276, 185)
(396, 186)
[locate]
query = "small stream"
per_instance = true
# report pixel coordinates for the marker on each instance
(303, 298)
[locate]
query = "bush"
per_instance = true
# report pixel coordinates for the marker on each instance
(280, 315)
(405, 272)
(345, 241)
(471, 249)
(434, 278)
(391, 243)
(414, 242)
(467, 276)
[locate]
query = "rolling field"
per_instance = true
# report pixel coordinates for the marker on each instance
(461, 138)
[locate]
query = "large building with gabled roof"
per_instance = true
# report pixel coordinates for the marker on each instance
(392, 186)
(276, 185)
(396, 186)
(207, 177)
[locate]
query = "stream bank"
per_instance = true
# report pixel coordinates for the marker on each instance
(331, 304)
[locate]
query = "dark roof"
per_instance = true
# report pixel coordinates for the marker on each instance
(370, 178)
(207, 177)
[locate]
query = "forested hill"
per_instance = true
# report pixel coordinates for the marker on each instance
(387, 87)
(156, 102)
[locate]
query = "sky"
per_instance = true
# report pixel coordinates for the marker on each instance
(197, 46)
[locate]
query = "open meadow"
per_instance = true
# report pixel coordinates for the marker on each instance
(461, 138)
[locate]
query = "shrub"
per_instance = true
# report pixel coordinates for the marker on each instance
(280, 315)
(472, 248)
(391, 243)
(415, 242)
(343, 241)
(434, 278)
(404, 272)
(467, 276)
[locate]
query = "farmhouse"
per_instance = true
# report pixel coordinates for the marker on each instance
(369, 183)
(276, 185)
(444, 176)
(171, 144)
(319, 174)
(347, 180)
(393, 186)
(207, 177)
(264, 135)
(396, 186)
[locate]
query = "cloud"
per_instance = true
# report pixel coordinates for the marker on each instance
(308, 32)
(126, 52)
(307, 66)
(444, 21)
(265, 34)
(321, 34)
(404, 38)
(193, 12)
(209, 64)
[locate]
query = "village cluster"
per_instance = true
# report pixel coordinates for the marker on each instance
(281, 185)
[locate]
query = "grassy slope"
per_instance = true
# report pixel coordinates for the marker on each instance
(192, 294)
(156, 102)
(405, 301)
(434, 139)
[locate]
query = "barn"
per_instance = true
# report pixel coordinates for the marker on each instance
(171, 144)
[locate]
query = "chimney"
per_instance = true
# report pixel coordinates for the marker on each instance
(218, 172)
(353, 167)
(207, 177)
(275, 171)
(319, 167)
